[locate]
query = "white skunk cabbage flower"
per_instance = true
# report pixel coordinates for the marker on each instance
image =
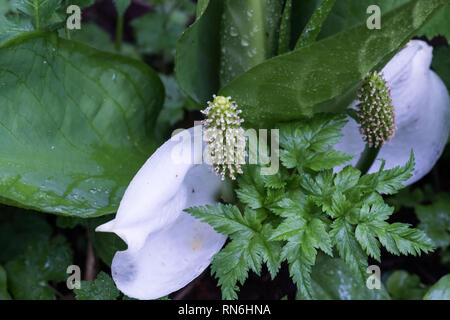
(167, 248)
(422, 114)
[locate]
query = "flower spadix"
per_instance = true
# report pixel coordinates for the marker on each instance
(224, 136)
(375, 113)
(167, 248)
(421, 108)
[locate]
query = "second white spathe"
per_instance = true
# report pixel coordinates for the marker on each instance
(422, 113)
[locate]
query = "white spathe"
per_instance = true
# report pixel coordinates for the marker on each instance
(422, 113)
(167, 248)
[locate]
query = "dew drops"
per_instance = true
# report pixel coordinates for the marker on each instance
(254, 30)
(251, 53)
(233, 31)
(244, 42)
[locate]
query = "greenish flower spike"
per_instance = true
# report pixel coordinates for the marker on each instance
(224, 136)
(375, 111)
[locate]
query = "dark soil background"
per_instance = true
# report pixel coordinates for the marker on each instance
(427, 267)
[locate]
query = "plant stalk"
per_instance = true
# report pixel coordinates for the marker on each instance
(119, 33)
(368, 156)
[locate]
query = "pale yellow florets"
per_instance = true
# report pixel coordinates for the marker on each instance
(225, 137)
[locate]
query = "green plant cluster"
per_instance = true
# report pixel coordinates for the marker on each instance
(306, 208)
(82, 110)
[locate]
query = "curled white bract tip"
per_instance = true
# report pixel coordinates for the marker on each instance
(422, 113)
(167, 248)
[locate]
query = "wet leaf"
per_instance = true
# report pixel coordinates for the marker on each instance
(102, 288)
(248, 35)
(439, 291)
(43, 261)
(332, 279)
(402, 285)
(325, 75)
(73, 149)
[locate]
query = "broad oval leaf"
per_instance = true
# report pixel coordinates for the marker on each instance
(402, 285)
(332, 279)
(325, 75)
(75, 124)
(440, 290)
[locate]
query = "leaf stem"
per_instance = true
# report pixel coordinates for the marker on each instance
(284, 40)
(36, 16)
(314, 26)
(367, 158)
(119, 33)
(67, 31)
(90, 259)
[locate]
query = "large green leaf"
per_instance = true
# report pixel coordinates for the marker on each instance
(332, 279)
(325, 75)
(440, 290)
(75, 124)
